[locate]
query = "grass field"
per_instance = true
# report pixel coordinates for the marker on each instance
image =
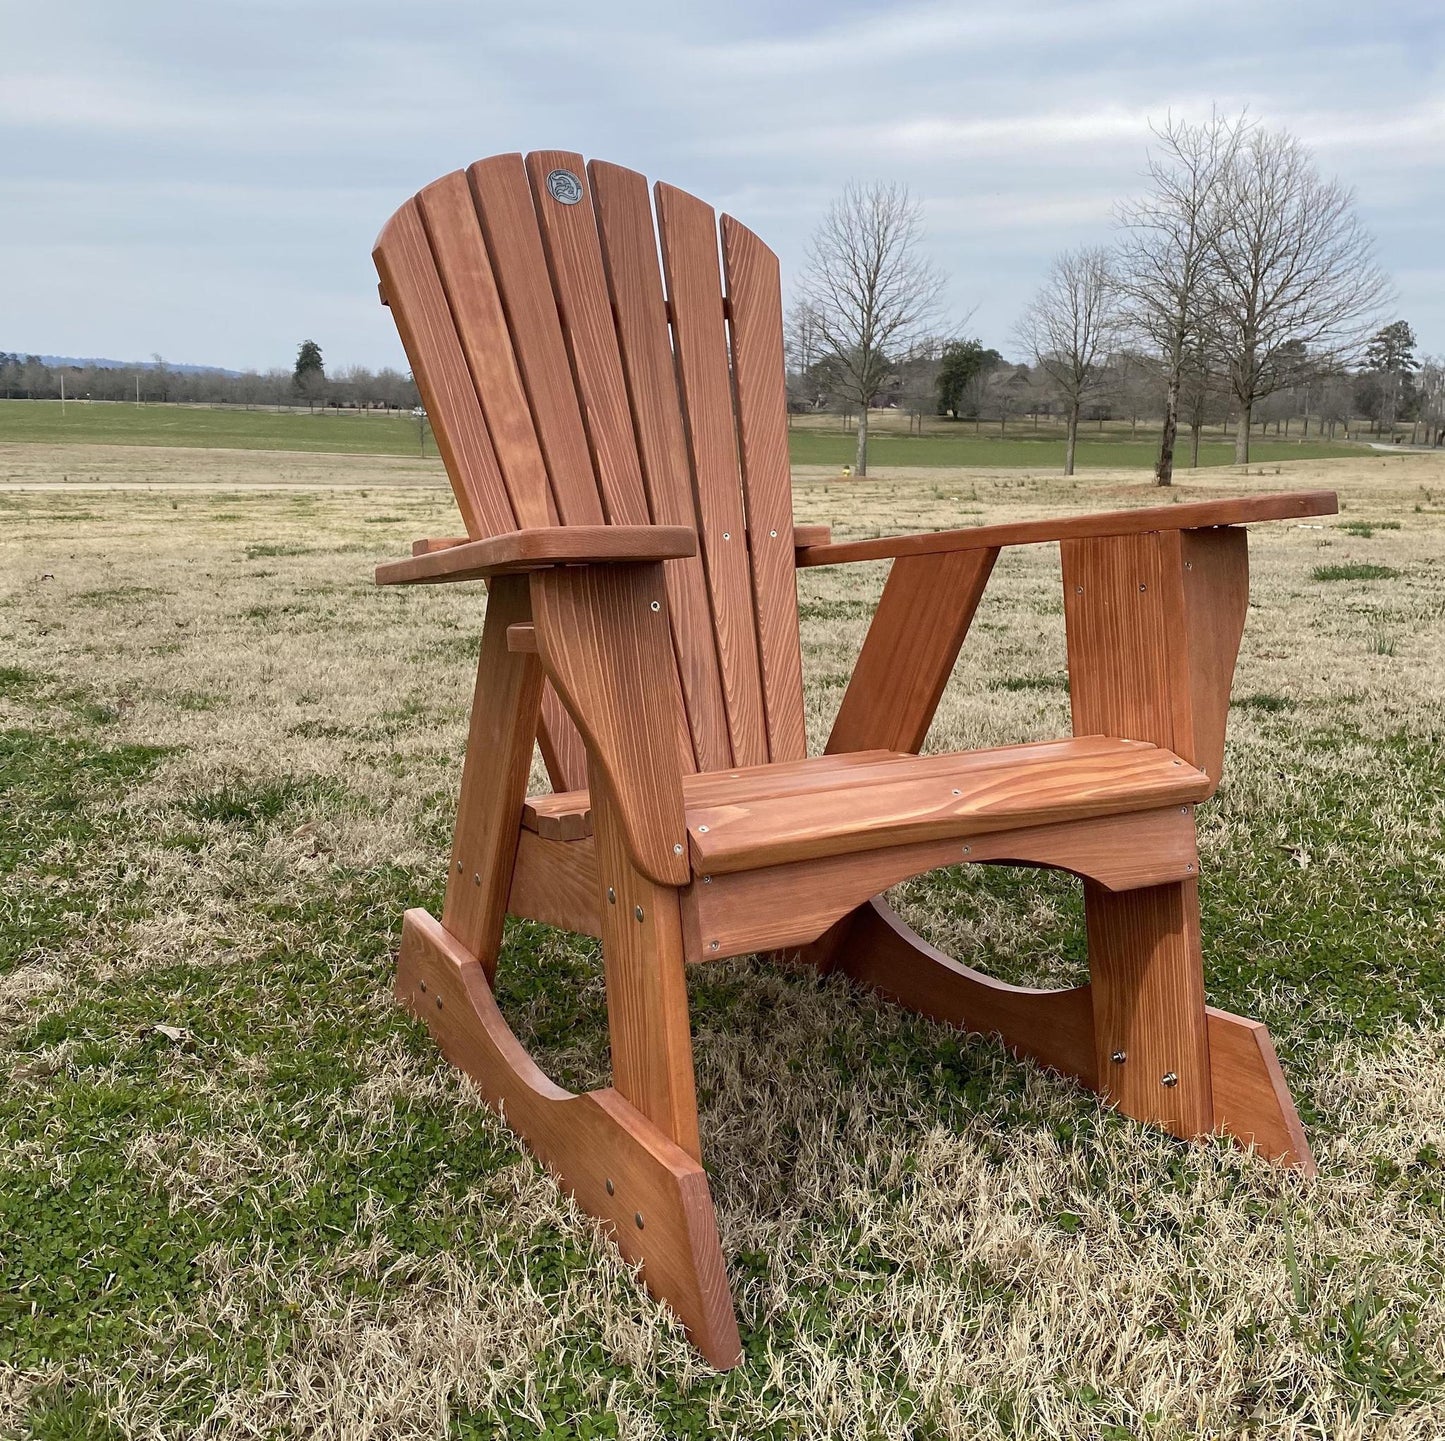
(242, 1196)
(813, 441)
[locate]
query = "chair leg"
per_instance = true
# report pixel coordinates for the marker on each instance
(1146, 977)
(645, 966)
(621, 1167)
(1145, 1001)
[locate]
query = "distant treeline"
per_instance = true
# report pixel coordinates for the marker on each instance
(27, 377)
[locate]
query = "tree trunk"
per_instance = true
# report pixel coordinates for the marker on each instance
(1194, 430)
(1164, 469)
(1070, 443)
(860, 469)
(1241, 435)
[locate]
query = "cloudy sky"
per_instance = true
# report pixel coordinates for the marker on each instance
(203, 178)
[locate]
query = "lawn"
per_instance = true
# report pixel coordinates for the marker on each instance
(241, 1195)
(959, 445)
(811, 441)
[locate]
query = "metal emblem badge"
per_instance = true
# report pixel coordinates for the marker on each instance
(564, 186)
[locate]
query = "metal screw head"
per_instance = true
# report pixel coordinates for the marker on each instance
(1183, 810)
(637, 911)
(1190, 868)
(611, 1189)
(958, 793)
(637, 1216)
(715, 946)
(677, 848)
(707, 880)
(1078, 590)
(1169, 1079)
(459, 868)
(702, 830)
(423, 988)
(439, 1003)
(968, 850)
(655, 605)
(1142, 586)
(1119, 1058)
(772, 535)
(476, 878)
(611, 896)
(727, 535)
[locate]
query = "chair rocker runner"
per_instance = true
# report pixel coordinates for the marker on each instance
(606, 387)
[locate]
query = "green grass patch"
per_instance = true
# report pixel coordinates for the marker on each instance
(1265, 703)
(1356, 570)
(1366, 528)
(107, 423)
(1045, 453)
(376, 433)
(1016, 683)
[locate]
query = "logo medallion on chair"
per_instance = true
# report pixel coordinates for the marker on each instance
(564, 186)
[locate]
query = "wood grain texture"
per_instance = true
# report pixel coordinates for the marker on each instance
(927, 606)
(555, 882)
(694, 290)
(574, 262)
(523, 550)
(755, 308)
(603, 1151)
(560, 742)
(603, 636)
(1123, 623)
(646, 974)
(455, 235)
(437, 542)
(429, 337)
(629, 255)
(1187, 515)
(1153, 625)
(954, 796)
(503, 200)
(561, 816)
(494, 780)
(734, 913)
(1216, 603)
(809, 535)
(1252, 1102)
(1146, 976)
(1054, 1028)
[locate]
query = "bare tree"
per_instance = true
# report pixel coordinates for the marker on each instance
(1292, 281)
(1070, 329)
(1432, 399)
(871, 290)
(1169, 237)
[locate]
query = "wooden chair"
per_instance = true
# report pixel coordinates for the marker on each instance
(616, 436)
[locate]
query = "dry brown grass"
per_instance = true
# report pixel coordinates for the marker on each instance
(929, 1239)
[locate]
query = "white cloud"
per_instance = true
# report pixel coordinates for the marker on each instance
(201, 179)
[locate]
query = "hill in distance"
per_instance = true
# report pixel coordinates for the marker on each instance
(85, 361)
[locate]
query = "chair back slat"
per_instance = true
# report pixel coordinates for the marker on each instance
(574, 260)
(450, 220)
(756, 329)
(412, 288)
(629, 253)
(573, 376)
(509, 221)
(688, 232)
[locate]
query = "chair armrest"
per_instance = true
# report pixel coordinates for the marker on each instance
(536, 549)
(1187, 515)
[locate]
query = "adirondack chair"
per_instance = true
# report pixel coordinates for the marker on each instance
(616, 437)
